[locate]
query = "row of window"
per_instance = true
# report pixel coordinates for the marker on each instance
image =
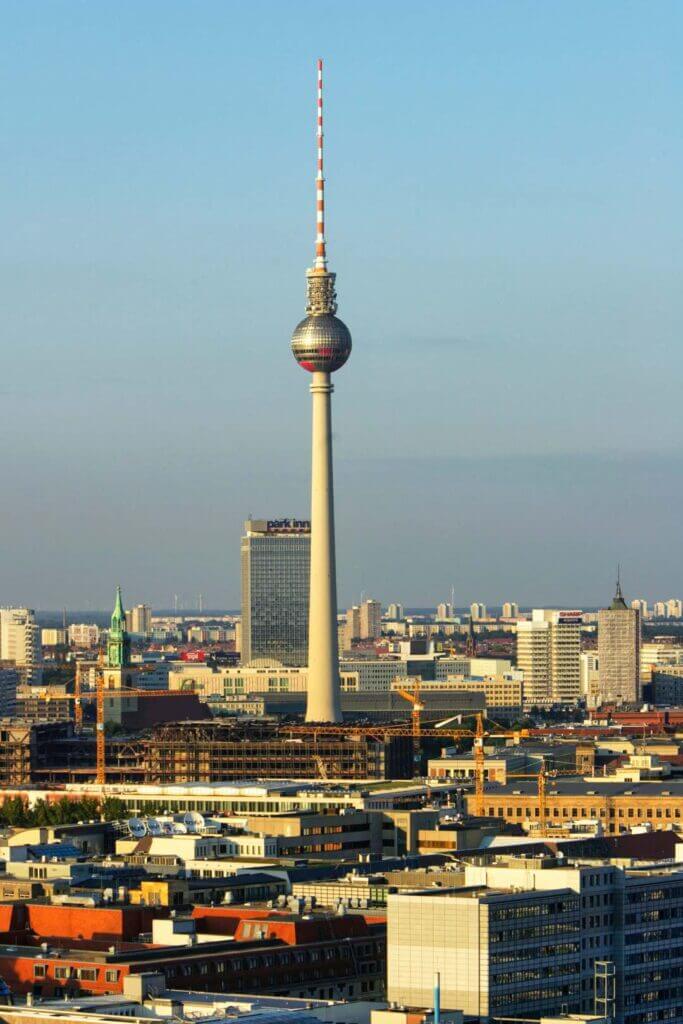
(63, 972)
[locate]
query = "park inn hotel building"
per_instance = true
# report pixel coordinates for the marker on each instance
(276, 555)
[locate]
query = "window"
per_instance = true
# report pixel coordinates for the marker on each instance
(111, 976)
(86, 973)
(62, 972)
(39, 971)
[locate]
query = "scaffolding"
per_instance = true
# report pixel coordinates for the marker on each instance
(214, 751)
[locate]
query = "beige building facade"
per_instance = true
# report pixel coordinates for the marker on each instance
(619, 652)
(548, 653)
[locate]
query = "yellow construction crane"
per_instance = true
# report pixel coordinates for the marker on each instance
(383, 732)
(101, 750)
(415, 720)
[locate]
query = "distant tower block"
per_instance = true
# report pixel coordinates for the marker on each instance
(321, 344)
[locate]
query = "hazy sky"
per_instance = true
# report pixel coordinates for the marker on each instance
(505, 185)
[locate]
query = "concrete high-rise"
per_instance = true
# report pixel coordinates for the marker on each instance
(275, 556)
(370, 620)
(619, 652)
(321, 344)
(510, 610)
(478, 610)
(20, 642)
(548, 653)
(139, 620)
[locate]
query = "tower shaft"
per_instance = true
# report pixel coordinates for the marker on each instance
(323, 703)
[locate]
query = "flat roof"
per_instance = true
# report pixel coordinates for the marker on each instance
(595, 787)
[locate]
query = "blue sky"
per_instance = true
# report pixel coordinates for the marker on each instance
(504, 215)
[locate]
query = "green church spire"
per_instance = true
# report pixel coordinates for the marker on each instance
(118, 642)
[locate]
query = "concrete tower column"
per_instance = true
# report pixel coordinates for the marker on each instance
(321, 344)
(323, 656)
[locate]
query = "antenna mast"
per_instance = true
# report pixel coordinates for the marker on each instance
(320, 245)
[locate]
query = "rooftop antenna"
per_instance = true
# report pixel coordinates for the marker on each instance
(320, 244)
(175, 603)
(619, 594)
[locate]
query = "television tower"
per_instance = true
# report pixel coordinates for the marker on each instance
(321, 344)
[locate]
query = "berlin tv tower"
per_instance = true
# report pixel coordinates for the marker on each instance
(321, 344)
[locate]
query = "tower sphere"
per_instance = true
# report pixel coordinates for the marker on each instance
(321, 343)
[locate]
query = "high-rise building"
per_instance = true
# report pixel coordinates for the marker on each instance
(674, 608)
(20, 642)
(321, 344)
(395, 611)
(275, 580)
(478, 610)
(139, 620)
(444, 610)
(548, 649)
(659, 610)
(510, 610)
(351, 628)
(640, 604)
(370, 620)
(619, 651)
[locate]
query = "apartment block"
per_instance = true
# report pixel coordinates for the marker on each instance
(548, 653)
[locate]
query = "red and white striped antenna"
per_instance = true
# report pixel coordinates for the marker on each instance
(320, 248)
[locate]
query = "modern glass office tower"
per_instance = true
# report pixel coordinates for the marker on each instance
(276, 558)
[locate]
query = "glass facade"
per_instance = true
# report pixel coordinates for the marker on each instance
(275, 585)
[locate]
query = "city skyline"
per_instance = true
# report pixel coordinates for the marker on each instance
(138, 204)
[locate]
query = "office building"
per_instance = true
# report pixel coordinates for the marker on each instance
(139, 620)
(510, 610)
(20, 642)
(321, 344)
(658, 654)
(503, 693)
(666, 685)
(9, 681)
(84, 634)
(619, 652)
(528, 937)
(548, 650)
(275, 582)
(478, 611)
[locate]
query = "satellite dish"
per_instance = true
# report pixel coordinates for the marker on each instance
(194, 821)
(153, 827)
(178, 828)
(137, 828)
(167, 828)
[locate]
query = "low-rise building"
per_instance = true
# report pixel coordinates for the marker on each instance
(617, 805)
